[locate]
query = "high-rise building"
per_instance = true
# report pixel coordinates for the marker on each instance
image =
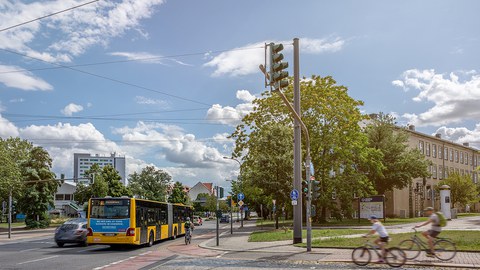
(83, 162)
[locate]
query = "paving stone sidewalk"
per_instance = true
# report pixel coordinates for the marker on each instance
(238, 242)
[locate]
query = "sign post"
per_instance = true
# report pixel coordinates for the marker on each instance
(241, 197)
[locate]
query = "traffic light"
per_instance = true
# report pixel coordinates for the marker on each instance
(92, 178)
(229, 201)
(305, 188)
(62, 177)
(315, 189)
(220, 192)
(277, 74)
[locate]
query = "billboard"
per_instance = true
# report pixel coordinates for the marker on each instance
(372, 206)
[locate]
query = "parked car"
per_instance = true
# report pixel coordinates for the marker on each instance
(197, 221)
(72, 231)
(225, 219)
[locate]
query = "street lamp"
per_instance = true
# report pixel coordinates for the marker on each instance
(240, 166)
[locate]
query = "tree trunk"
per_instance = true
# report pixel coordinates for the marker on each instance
(276, 222)
(323, 217)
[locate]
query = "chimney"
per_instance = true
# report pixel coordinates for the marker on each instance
(438, 135)
(411, 127)
(466, 144)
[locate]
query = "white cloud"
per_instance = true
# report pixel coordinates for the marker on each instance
(455, 97)
(246, 59)
(79, 29)
(71, 109)
(148, 58)
(17, 100)
(150, 101)
(229, 115)
(22, 80)
(7, 129)
(461, 135)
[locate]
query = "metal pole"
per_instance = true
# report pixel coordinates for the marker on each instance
(218, 224)
(241, 217)
(309, 200)
(10, 214)
(231, 214)
(297, 146)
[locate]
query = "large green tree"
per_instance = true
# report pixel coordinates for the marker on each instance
(339, 149)
(401, 164)
(462, 189)
(150, 183)
(178, 194)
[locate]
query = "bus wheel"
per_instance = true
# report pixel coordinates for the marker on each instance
(150, 239)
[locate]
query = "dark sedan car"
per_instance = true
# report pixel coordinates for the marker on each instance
(72, 231)
(225, 219)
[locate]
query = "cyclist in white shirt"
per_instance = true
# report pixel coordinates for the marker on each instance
(382, 241)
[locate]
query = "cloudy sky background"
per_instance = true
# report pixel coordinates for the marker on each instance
(165, 82)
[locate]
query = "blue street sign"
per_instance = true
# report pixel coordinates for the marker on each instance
(294, 195)
(240, 196)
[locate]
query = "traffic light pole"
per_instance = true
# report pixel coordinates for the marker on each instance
(218, 220)
(10, 214)
(297, 146)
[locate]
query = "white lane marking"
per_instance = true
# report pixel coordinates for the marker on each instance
(37, 260)
(221, 255)
(90, 249)
(30, 249)
(145, 253)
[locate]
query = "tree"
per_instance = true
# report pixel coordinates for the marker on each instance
(211, 203)
(400, 163)
(462, 189)
(9, 174)
(339, 149)
(150, 184)
(178, 194)
(113, 180)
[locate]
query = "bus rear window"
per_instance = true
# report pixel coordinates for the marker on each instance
(110, 208)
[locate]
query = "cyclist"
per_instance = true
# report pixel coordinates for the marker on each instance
(188, 226)
(434, 231)
(377, 227)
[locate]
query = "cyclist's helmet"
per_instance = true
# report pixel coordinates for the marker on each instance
(372, 217)
(188, 219)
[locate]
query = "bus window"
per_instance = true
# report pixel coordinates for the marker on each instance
(110, 209)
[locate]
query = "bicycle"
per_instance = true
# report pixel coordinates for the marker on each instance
(188, 237)
(394, 256)
(445, 249)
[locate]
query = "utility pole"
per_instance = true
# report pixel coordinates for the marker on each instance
(10, 214)
(218, 220)
(297, 147)
(231, 214)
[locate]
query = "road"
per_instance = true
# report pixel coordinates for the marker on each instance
(42, 253)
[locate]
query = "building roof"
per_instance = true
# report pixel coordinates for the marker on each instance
(438, 138)
(209, 186)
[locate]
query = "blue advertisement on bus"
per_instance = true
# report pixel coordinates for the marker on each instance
(109, 225)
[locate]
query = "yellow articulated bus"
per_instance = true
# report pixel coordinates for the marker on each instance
(131, 221)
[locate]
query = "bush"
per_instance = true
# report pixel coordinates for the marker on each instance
(32, 223)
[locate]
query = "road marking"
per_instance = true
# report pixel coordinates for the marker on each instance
(221, 255)
(30, 249)
(90, 249)
(37, 260)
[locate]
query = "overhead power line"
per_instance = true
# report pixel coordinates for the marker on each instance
(46, 16)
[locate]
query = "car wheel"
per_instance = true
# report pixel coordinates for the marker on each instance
(60, 244)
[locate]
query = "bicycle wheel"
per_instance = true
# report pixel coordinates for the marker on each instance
(445, 250)
(186, 239)
(361, 256)
(395, 257)
(411, 248)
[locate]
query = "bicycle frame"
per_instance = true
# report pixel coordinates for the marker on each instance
(370, 246)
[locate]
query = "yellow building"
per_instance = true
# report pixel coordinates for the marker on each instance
(446, 157)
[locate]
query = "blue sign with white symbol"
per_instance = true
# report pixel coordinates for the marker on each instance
(294, 195)
(240, 196)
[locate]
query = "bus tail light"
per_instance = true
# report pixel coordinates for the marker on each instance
(131, 232)
(90, 232)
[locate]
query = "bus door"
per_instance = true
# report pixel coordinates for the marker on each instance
(142, 224)
(170, 221)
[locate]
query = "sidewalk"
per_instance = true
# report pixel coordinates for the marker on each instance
(238, 242)
(24, 235)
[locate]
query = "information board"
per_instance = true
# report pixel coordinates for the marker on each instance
(372, 206)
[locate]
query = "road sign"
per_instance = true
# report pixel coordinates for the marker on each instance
(240, 196)
(294, 195)
(312, 170)
(241, 203)
(294, 203)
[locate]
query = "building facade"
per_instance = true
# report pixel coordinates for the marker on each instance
(200, 188)
(83, 162)
(446, 157)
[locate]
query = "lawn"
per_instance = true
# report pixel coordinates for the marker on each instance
(345, 222)
(15, 224)
(279, 235)
(465, 240)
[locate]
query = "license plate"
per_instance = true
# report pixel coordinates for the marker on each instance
(109, 234)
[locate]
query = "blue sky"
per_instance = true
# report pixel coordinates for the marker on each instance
(416, 59)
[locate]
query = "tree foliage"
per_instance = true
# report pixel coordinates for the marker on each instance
(401, 164)
(462, 189)
(339, 148)
(178, 194)
(150, 184)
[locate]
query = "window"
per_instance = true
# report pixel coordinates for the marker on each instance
(420, 147)
(466, 158)
(434, 150)
(434, 171)
(461, 157)
(427, 149)
(457, 170)
(59, 197)
(445, 153)
(451, 155)
(462, 172)
(68, 197)
(440, 172)
(440, 156)
(445, 172)
(456, 156)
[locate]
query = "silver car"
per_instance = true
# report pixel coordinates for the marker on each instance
(72, 231)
